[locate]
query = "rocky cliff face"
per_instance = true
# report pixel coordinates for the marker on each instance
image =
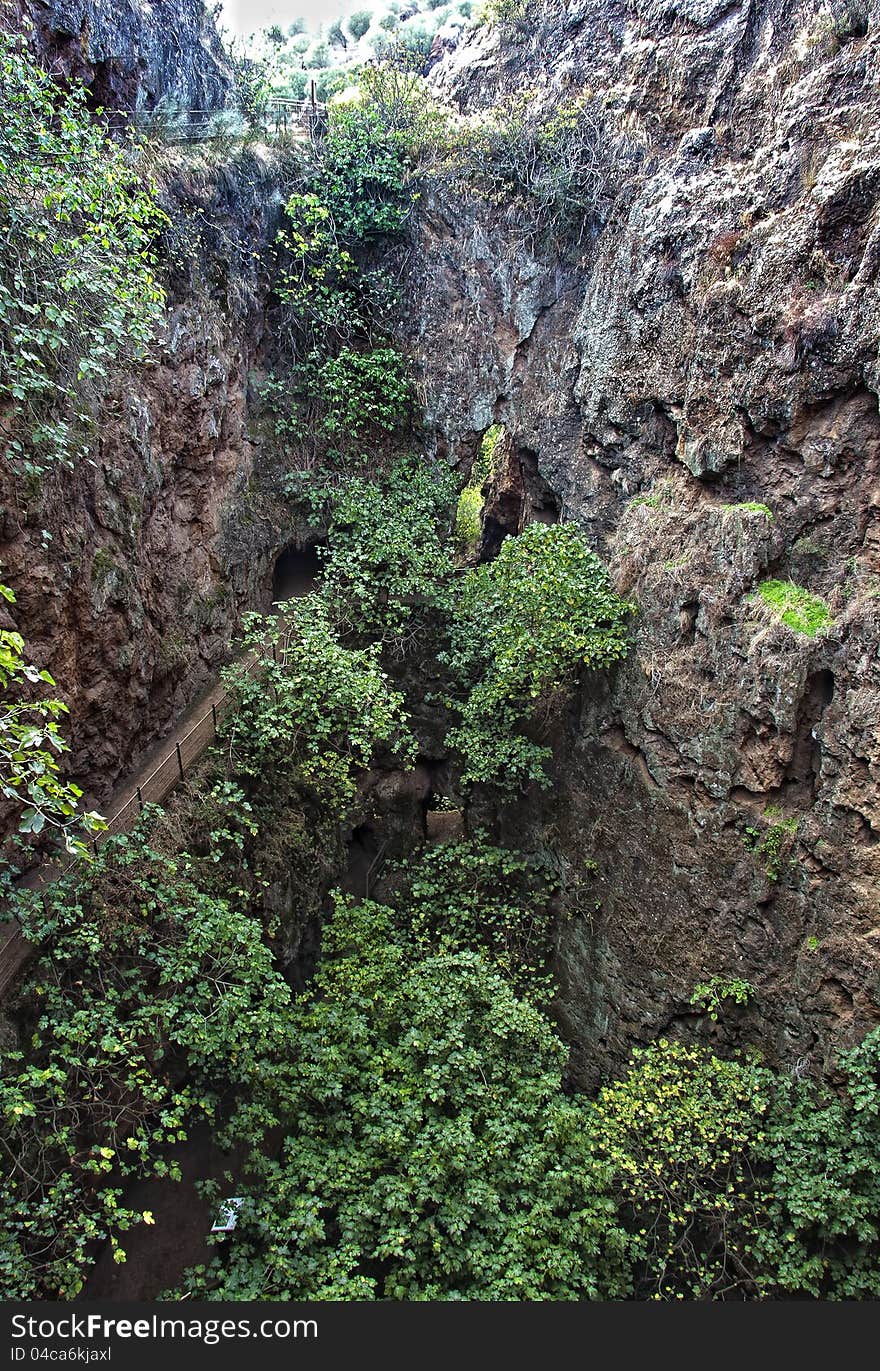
(132, 55)
(710, 343)
(131, 572)
(704, 343)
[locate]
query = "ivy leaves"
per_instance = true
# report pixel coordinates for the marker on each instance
(525, 626)
(77, 290)
(31, 744)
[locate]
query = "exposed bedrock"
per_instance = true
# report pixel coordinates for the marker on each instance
(709, 345)
(132, 55)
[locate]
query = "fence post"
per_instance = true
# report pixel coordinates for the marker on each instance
(140, 799)
(179, 760)
(214, 717)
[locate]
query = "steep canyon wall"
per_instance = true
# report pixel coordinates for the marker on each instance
(706, 341)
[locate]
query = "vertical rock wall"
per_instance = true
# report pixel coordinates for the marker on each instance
(705, 344)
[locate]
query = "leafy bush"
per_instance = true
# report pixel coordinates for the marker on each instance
(30, 746)
(471, 894)
(708, 997)
(795, 607)
(525, 626)
(822, 1235)
(360, 391)
(386, 560)
(364, 174)
(552, 168)
(772, 844)
(305, 698)
(430, 1153)
(319, 279)
(679, 1132)
(77, 290)
(144, 981)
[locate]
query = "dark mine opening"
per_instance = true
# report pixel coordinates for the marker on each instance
(296, 572)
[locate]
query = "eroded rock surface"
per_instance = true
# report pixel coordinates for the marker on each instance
(133, 55)
(707, 341)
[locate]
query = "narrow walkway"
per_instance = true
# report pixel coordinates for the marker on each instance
(162, 769)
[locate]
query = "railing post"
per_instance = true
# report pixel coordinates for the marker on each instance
(140, 799)
(179, 760)
(214, 717)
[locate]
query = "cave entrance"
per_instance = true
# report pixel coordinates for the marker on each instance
(296, 573)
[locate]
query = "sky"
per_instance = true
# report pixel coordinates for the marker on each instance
(246, 16)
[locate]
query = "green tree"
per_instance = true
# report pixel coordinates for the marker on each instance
(359, 22)
(525, 626)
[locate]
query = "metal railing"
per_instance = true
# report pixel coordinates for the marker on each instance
(279, 116)
(183, 753)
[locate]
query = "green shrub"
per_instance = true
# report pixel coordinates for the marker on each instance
(363, 391)
(525, 626)
(322, 707)
(364, 180)
(772, 844)
(795, 607)
(472, 894)
(680, 1131)
(144, 980)
(821, 1239)
(430, 1153)
(359, 22)
(31, 744)
(708, 997)
(386, 563)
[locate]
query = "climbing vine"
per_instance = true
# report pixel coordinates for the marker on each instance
(77, 290)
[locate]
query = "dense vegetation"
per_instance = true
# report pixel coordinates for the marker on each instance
(430, 1147)
(77, 290)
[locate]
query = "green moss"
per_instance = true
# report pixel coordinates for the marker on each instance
(748, 507)
(467, 517)
(103, 566)
(470, 503)
(795, 607)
